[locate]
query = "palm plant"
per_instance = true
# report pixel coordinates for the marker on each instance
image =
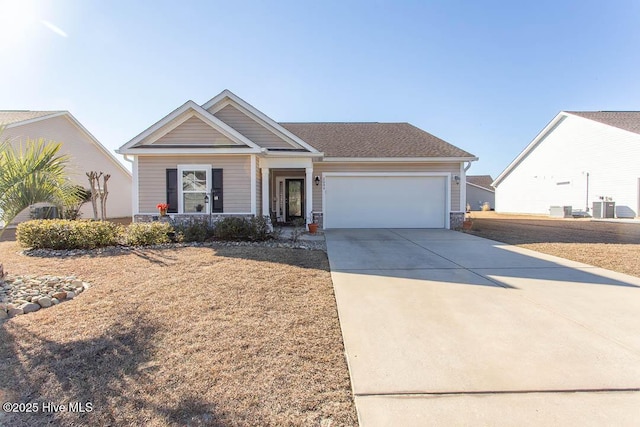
(33, 173)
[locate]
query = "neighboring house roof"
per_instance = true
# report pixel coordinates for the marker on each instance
(371, 140)
(626, 120)
(10, 117)
(482, 181)
(16, 118)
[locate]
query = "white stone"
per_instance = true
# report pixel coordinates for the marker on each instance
(30, 307)
(71, 295)
(55, 301)
(45, 302)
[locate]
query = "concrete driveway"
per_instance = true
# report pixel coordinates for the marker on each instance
(445, 328)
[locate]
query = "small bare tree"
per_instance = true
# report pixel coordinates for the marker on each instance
(93, 185)
(98, 192)
(104, 193)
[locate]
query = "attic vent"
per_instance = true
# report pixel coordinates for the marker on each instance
(563, 183)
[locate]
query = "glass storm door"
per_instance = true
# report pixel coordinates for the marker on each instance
(294, 199)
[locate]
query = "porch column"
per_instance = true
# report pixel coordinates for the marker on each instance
(266, 211)
(308, 192)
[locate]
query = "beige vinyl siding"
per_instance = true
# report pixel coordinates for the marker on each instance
(84, 156)
(320, 167)
(236, 179)
(194, 132)
(251, 129)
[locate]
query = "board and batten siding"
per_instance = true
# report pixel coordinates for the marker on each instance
(320, 167)
(236, 180)
(554, 173)
(249, 128)
(84, 156)
(194, 132)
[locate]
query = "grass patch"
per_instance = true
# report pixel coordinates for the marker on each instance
(614, 246)
(186, 336)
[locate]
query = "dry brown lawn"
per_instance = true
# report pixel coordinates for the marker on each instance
(614, 246)
(182, 336)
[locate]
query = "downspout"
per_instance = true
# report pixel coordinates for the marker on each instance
(463, 189)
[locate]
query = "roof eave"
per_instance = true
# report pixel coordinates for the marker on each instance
(399, 159)
(481, 187)
(180, 151)
(36, 119)
(292, 154)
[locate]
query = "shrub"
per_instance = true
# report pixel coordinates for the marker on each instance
(236, 228)
(67, 234)
(194, 231)
(260, 228)
(232, 228)
(148, 233)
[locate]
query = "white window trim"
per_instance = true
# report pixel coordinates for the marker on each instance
(181, 168)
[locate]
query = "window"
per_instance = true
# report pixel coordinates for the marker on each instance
(194, 186)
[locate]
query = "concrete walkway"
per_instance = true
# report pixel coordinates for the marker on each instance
(445, 328)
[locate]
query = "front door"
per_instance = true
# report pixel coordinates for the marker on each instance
(294, 199)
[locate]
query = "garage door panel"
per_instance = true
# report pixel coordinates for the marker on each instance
(385, 202)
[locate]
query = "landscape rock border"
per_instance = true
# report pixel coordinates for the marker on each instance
(27, 294)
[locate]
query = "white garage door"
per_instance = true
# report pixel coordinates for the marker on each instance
(383, 201)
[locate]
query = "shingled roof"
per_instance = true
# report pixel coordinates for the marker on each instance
(483, 181)
(627, 120)
(9, 117)
(371, 140)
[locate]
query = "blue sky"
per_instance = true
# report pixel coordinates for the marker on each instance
(485, 76)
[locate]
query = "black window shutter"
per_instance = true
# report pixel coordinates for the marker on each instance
(172, 190)
(216, 191)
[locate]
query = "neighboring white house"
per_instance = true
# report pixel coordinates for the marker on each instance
(86, 153)
(226, 157)
(579, 158)
(480, 192)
